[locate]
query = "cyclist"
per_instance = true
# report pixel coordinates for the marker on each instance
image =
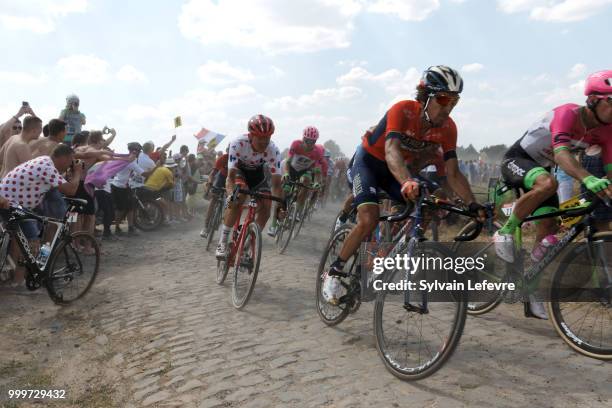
(249, 157)
(379, 162)
(216, 178)
(527, 164)
(301, 165)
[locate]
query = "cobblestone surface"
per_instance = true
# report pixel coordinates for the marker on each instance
(171, 338)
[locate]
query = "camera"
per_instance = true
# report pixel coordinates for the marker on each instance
(25, 104)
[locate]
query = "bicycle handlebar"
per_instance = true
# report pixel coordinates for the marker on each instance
(238, 190)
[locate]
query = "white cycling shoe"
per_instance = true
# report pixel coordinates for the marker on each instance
(536, 309)
(272, 231)
(332, 290)
(504, 246)
(203, 233)
(221, 250)
(339, 223)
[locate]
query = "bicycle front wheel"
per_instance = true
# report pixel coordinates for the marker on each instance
(246, 267)
(214, 222)
(149, 216)
(416, 336)
(580, 305)
(71, 273)
(285, 229)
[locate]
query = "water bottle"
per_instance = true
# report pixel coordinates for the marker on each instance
(44, 253)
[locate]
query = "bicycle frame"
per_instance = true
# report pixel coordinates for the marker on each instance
(239, 242)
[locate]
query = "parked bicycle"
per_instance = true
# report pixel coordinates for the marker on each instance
(66, 273)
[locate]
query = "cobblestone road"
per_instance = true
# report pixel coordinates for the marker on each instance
(160, 332)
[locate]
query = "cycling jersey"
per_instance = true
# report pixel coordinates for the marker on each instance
(221, 164)
(560, 129)
(243, 157)
(403, 121)
(301, 159)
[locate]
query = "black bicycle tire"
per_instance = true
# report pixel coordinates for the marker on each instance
(239, 304)
(556, 318)
(4, 248)
(282, 245)
(158, 221)
(65, 245)
(343, 230)
(449, 346)
(213, 223)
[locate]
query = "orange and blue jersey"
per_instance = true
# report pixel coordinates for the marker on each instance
(403, 121)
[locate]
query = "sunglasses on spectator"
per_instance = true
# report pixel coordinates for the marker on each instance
(446, 99)
(17, 127)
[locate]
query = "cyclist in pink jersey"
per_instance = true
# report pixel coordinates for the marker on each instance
(303, 165)
(550, 141)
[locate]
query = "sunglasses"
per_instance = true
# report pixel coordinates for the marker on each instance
(446, 100)
(17, 127)
(309, 141)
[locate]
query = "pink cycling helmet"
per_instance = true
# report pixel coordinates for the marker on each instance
(311, 133)
(599, 83)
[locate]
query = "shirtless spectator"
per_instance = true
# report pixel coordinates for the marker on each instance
(86, 148)
(17, 149)
(29, 191)
(13, 126)
(43, 146)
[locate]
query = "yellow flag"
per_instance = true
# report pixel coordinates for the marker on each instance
(178, 122)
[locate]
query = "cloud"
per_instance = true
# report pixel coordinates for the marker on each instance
(393, 80)
(222, 73)
(274, 26)
(23, 78)
(38, 16)
(555, 10)
(128, 73)
(84, 69)
(475, 67)
(577, 71)
(408, 10)
(571, 93)
(319, 97)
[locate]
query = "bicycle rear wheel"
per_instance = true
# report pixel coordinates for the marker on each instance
(332, 315)
(415, 339)
(580, 306)
(70, 274)
(300, 223)
(246, 267)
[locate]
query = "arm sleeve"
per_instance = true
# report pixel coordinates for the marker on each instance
(232, 159)
(449, 140)
(51, 176)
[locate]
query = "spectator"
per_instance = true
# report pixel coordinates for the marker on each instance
(13, 126)
(122, 194)
(73, 117)
(154, 154)
(17, 149)
(191, 183)
(44, 146)
(29, 191)
(159, 184)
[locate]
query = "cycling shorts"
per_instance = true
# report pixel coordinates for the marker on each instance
(515, 169)
(370, 174)
(257, 180)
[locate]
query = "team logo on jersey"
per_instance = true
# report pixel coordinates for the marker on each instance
(515, 169)
(415, 145)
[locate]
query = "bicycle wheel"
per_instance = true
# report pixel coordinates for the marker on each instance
(332, 315)
(149, 216)
(70, 274)
(223, 265)
(213, 224)
(489, 300)
(247, 266)
(5, 239)
(300, 223)
(580, 306)
(414, 340)
(285, 230)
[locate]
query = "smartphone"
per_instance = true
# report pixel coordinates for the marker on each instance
(25, 104)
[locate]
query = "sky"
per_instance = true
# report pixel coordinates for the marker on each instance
(334, 64)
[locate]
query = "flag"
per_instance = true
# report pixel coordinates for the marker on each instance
(178, 122)
(101, 172)
(208, 138)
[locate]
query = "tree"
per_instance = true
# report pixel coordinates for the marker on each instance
(467, 153)
(334, 149)
(494, 153)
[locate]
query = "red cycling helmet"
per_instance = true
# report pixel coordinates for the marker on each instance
(311, 133)
(599, 83)
(260, 126)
